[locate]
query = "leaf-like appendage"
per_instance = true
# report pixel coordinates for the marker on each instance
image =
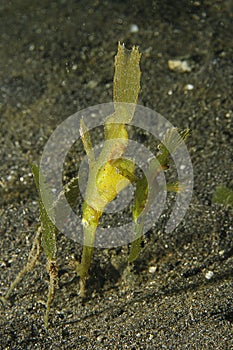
(170, 143)
(87, 143)
(147, 187)
(48, 235)
(127, 75)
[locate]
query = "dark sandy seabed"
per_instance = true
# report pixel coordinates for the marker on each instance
(57, 58)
